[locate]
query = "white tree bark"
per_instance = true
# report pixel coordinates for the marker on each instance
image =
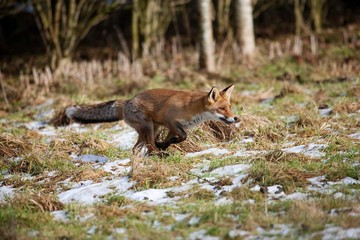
(207, 60)
(245, 27)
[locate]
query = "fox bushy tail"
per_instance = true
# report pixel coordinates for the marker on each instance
(103, 112)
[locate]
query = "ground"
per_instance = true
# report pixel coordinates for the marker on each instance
(289, 169)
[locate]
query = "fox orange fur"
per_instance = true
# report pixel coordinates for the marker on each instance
(176, 110)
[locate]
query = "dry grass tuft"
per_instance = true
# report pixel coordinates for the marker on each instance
(202, 194)
(113, 210)
(290, 89)
(60, 119)
(10, 146)
(307, 215)
(347, 107)
(244, 194)
(95, 175)
(250, 124)
(290, 170)
(38, 202)
(30, 164)
(308, 119)
(190, 145)
(321, 97)
(221, 131)
(276, 156)
(156, 173)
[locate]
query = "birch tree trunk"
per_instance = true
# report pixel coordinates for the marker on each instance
(207, 60)
(317, 7)
(135, 30)
(245, 27)
(300, 25)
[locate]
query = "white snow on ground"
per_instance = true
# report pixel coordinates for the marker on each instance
(157, 196)
(61, 215)
(248, 140)
(117, 166)
(296, 195)
(90, 158)
(276, 191)
(36, 125)
(238, 233)
(181, 216)
(245, 153)
(230, 170)
(325, 112)
(276, 230)
(355, 135)
(125, 139)
(89, 192)
(42, 127)
(330, 233)
(213, 151)
(201, 234)
(76, 127)
(311, 150)
(6, 191)
(320, 184)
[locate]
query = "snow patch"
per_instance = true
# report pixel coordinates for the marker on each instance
(181, 216)
(321, 185)
(311, 150)
(201, 234)
(5, 192)
(355, 135)
(213, 151)
(276, 191)
(90, 193)
(117, 167)
(230, 170)
(244, 153)
(297, 196)
(60, 215)
(248, 140)
(338, 233)
(126, 139)
(90, 158)
(157, 196)
(325, 112)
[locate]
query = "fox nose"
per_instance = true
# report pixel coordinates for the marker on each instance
(236, 119)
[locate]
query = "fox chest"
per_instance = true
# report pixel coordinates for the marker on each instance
(196, 120)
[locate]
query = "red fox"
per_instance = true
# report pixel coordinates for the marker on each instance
(176, 110)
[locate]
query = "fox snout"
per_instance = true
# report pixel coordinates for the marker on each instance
(233, 119)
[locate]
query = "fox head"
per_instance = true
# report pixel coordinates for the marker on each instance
(219, 105)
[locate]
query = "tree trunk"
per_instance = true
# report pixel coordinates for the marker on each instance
(245, 27)
(222, 16)
(207, 60)
(317, 14)
(135, 29)
(300, 26)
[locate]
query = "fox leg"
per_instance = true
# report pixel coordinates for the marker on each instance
(138, 145)
(144, 126)
(146, 136)
(176, 135)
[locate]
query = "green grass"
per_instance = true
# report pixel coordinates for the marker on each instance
(300, 85)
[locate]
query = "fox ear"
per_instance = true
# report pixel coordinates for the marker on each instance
(213, 95)
(226, 92)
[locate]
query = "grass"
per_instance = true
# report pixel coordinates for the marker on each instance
(278, 102)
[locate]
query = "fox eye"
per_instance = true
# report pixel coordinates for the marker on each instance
(223, 109)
